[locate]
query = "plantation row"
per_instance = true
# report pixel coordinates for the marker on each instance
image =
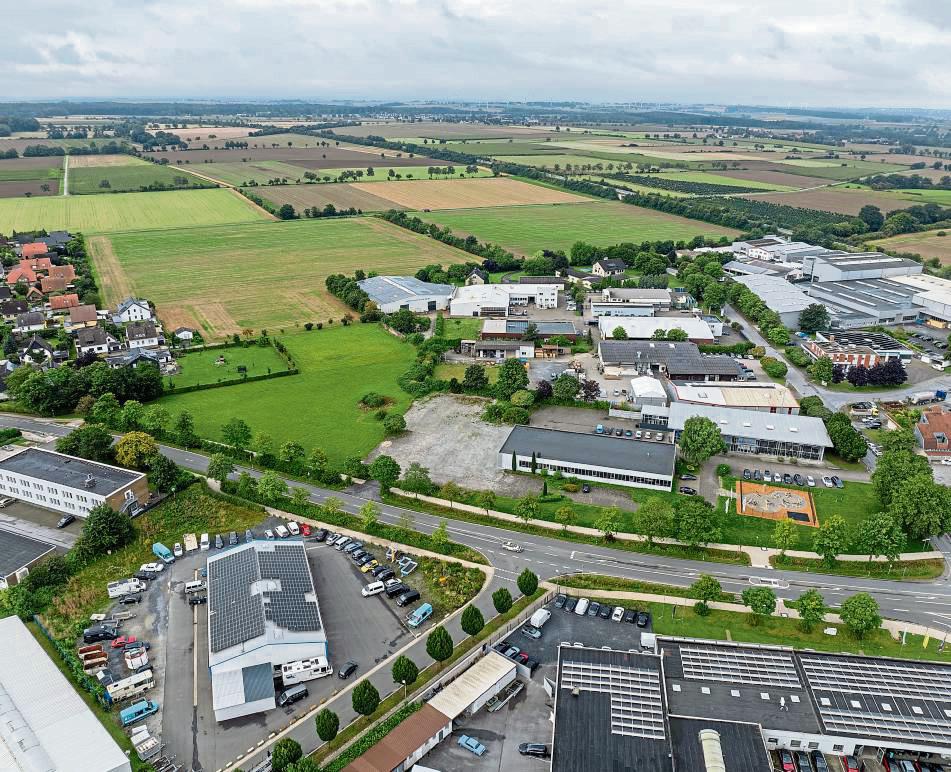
(682, 186)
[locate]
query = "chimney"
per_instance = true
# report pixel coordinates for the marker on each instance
(90, 481)
(712, 752)
(576, 692)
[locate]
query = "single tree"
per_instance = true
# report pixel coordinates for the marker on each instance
(369, 515)
(472, 620)
(527, 508)
(814, 317)
(236, 433)
(654, 519)
(785, 536)
(697, 522)
(285, 752)
(271, 486)
(761, 601)
(450, 492)
(706, 589)
(893, 468)
(416, 480)
(365, 698)
(609, 523)
(812, 609)
(394, 424)
(881, 534)
(404, 670)
(104, 530)
(822, 370)
(512, 377)
(318, 459)
(921, 506)
(300, 496)
(328, 724)
(566, 516)
(440, 537)
(527, 582)
(860, 614)
(619, 333)
(385, 470)
(292, 453)
(487, 500)
(134, 449)
(565, 387)
(502, 600)
(220, 467)
(699, 440)
(439, 644)
(475, 378)
(90, 441)
(831, 539)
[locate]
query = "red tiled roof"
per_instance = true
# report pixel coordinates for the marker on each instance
(66, 272)
(36, 248)
(58, 302)
(37, 263)
(21, 273)
(935, 429)
(53, 284)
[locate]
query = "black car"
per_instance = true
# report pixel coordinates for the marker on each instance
(364, 559)
(560, 601)
(128, 600)
(357, 554)
(747, 474)
(377, 570)
(137, 645)
(585, 488)
(570, 604)
(837, 482)
(407, 597)
(630, 615)
(347, 669)
(389, 573)
(787, 479)
(395, 589)
(538, 750)
(757, 475)
(197, 600)
(643, 618)
(619, 432)
(799, 479)
(320, 534)
(65, 520)
(819, 761)
(605, 612)
(145, 576)
(99, 633)
(687, 490)
(688, 477)
(593, 608)
(802, 762)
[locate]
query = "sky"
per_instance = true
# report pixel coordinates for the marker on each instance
(796, 53)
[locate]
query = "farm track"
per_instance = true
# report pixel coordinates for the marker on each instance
(65, 175)
(112, 278)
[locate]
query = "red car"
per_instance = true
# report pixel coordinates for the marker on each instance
(850, 764)
(304, 529)
(786, 759)
(123, 640)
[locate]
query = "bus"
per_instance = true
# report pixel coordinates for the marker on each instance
(305, 670)
(138, 711)
(133, 686)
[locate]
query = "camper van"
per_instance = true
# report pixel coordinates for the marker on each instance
(138, 711)
(305, 670)
(125, 587)
(194, 586)
(133, 686)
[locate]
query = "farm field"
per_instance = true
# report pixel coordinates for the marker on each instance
(343, 157)
(845, 169)
(30, 177)
(263, 275)
(942, 197)
(84, 161)
(927, 244)
(441, 130)
(322, 398)
(129, 177)
(563, 160)
(33, 187)
(466, 194)
(36, 163)
(342, 195)
(526, 229)
(768, 177)
(127, 212)
(239, 173)
(201, 366)
(845, 201)
(204, 133)
(720, 179)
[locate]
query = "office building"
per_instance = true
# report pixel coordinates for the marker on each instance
(645, 327)
(497, 299)
(857, 348)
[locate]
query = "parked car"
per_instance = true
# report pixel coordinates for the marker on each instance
(367, 567)
(320, 534)
(378, 569)
(530, 631)
(593, 608)
(248, 536)
(798, 479)
(65, 520)
(145, 645)
(802, 762)
(99, 633)
(850, 764)
(687, 490)
(392, 590)
(605, 612)
(570, 604)
(787, 762)
(643, 618)
(819, 762)
(688, 477)
(347, 669)
(827, 481)
(630, 615)
(128, 600)
(268, 533)
(787, 479)
(539, 750)
(232, 539)
(305, 529)
(145, 576)
(560, 601)
(387, 573)
(618, 614)
(582, 608)
(472, 745)
(810, 481)
(352, 547)
(747, 474)
(767, 476)
(837, 481)
(357, 554)
(219, 543)
(122, 641)
(618, 432)
(177, 550)
(411, 596)
(758, 475)
(509, 650)
(585, 488)
(364, 559)
(197, 600)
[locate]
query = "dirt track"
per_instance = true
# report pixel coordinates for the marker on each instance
(113, 281)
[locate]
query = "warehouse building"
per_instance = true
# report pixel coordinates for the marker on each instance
(857, 348)
(644, 327)
(633, 463)
(18, 554)
(497, 299)
(262, 612)
(835, 265)
(678, 361)
(784, 298)
(787, 271)
(866, 302)
(932, 295)
(392, 293)
(45, 724)
(764, 397)
(69, 484)
(516, 329)
(749, 431)
(631, 302)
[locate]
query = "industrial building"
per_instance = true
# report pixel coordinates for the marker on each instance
(867, 302)
(497, 349)
(763, 397)
(18, 554)
(629, 462)
(262, 612)
(784, 298)
(516, 329)
(678, 361)
(391, 293)
(857, 348)
(631, 302)
(932, 295)
(69, 484)
(646, 390)
(933, 432)
(775, 248)
(496, 299)
(749, 431)
(835, 265)
(644, 327)
(692, 704)
(45, 724)
(787, 271)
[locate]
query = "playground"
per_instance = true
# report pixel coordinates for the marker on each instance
(774, 503)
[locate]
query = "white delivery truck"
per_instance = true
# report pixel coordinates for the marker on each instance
(539, 618)
(125, 587)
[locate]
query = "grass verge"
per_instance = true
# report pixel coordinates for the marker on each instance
(900, 570)
(619, 584)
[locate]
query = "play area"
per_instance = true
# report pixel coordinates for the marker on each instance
(772, 503)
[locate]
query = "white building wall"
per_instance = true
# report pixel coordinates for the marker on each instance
(144, 343)
(73, 501)
(616, 308)
(590, 472)
(136, 313)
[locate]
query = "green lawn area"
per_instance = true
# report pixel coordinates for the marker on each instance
(448, 370)
(833, 169)
(199, 366)
(131, 177)
(25, 175)
(526, 229)
(126, 212)
(942, 197)
(467, 329)
(317, 407)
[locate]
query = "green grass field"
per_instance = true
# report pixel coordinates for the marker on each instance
(24, 175)
(834, 169)
(268, 275)
(126, 212)
(318, 407)
(200, 366)
(239, 173)
(719, 179)
(449, 370)
(131, 177)
(526, 229)
(942, 197)
(591, 160)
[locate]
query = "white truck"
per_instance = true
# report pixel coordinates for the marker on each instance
(125, 587)
(539, 618)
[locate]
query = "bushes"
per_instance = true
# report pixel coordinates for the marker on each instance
(680, 186)
(773, 367)
(797, 356)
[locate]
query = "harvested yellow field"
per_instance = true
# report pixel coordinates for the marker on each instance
(466, 194)
(85, 161)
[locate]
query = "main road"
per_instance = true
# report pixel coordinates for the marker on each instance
(919, 602)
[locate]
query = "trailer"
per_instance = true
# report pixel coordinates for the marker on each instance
(146, 746)
(191, 542)
(95, 648)
(136, 658)
(304, 670)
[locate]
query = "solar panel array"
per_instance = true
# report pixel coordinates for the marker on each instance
(288, 608)
(739, 666)
(885, 699)
(235, 615)
(636, 703)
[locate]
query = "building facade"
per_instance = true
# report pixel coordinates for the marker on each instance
(393, 293)
(497, 299)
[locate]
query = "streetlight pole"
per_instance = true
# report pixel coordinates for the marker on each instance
(404, 690)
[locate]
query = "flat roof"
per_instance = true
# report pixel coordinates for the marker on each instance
(54, 729)
(875, 296)
(68, 471)
(801, 429)
(520, 326)
(741, 395)
(777, 293)
(393, 289)
(931, 287)
(678, 358)
(473, 293)
(848, 339)
(644, 327)
(855, 261)
(635, 293)
(456, 698)
(17, 551)
(592, 449)
(742, 744)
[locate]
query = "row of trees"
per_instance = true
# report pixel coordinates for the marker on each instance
(888, 373)
(847, 442)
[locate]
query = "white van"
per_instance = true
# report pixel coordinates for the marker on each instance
(582, 607)
(769, 581)
(282, 532)
(194, 586)
(293, 528)
(204, 542)
(539, 618)
(341, 542)
(374, 588)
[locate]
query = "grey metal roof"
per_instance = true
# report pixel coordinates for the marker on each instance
(856, 261)
(91, 336)
(637, 293)
(396, 289)
(69, 471)
(594, 449)
(555, 327)
(877, 341)
(742, 744)
(129, 302)
(736, 422)
(678, 358)
(258, 681)
(781, 296)
(542, 280)
(17, 551)
(30, 318)
(878, 296)
(141, 331)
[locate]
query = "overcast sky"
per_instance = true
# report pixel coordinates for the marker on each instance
(778, 52)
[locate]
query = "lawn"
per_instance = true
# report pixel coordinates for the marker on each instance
(130, 177)
(268, 275)
(22, 175)
(927, 244)
(449, 370)
(942, 197)
(126, 212)
(526, 229)
(465, 328)
(200, 366)
(318, 407)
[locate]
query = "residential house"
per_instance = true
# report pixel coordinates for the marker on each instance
(66, 272)
(34, 249)
(142, 335)
(586, 280)
(184, 333)
(36, 351)
(31, 321)
(37, 264)
(96, 340)
(81, 317)
(34, 294)
(612, 267)
(21, 274)
(478, 276)
(57, 241)
(53, 284)
(64, 302)
(933, 431)
(157, 356)
(5, 293)
(132, 310)
(12, 308)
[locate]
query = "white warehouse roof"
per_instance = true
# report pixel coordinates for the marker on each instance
(737, 422)
(456, 698)
(645, 386)
(44, 723)
(777, 293)
(642, 327)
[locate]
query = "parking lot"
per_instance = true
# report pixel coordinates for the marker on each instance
(28, 520)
